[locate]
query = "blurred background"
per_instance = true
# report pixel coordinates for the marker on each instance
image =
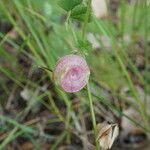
(34, 113)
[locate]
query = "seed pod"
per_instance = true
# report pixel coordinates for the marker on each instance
(107, 134)
(99, 8)
(71, 73)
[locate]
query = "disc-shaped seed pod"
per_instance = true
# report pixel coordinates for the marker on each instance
(71, 73)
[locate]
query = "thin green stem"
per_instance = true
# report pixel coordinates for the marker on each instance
(88, 85)
(69, 26)
(122, 18)
(134, 17)
(146, 51)
(86, 20)
(92, 113)
(67, 20)
(73, 33)
(8, 138)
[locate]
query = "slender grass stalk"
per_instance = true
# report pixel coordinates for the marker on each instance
(123, 15)
(106, 102)
(121, 48)
(59, 140)
(125, 72)
(56, 110)
(21, 33)
(13, 122)
(134, 92)
(69, 111)
(134, 16)
(22, 127)
(146, 51)
(9, 138)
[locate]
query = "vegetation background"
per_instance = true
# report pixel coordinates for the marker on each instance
(34, 112)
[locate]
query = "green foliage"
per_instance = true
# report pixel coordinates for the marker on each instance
(84, 46)
(79, 13)
(77, 9)
(69, 5)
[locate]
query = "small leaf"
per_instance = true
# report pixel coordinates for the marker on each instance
(78, 10)
(79, 13)
(85, 45)
(69, 4)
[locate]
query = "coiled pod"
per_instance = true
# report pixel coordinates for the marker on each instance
(71, 73)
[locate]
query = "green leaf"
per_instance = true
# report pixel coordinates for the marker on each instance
(69, 4)
(79, 13)
(84, 46)
(78, 10)
(81, 17)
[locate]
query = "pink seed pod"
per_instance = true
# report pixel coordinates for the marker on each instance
(71, 73)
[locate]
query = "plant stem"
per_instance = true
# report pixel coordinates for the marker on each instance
(8, 138)
(88, 85)
(146, 52)
(73, 33)
(69, 26)
(86, 19)
(92, 114)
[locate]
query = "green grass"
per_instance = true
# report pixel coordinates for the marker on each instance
(43, 37)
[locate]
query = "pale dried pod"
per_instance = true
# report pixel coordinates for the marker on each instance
(99, 8)
(107, 134)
